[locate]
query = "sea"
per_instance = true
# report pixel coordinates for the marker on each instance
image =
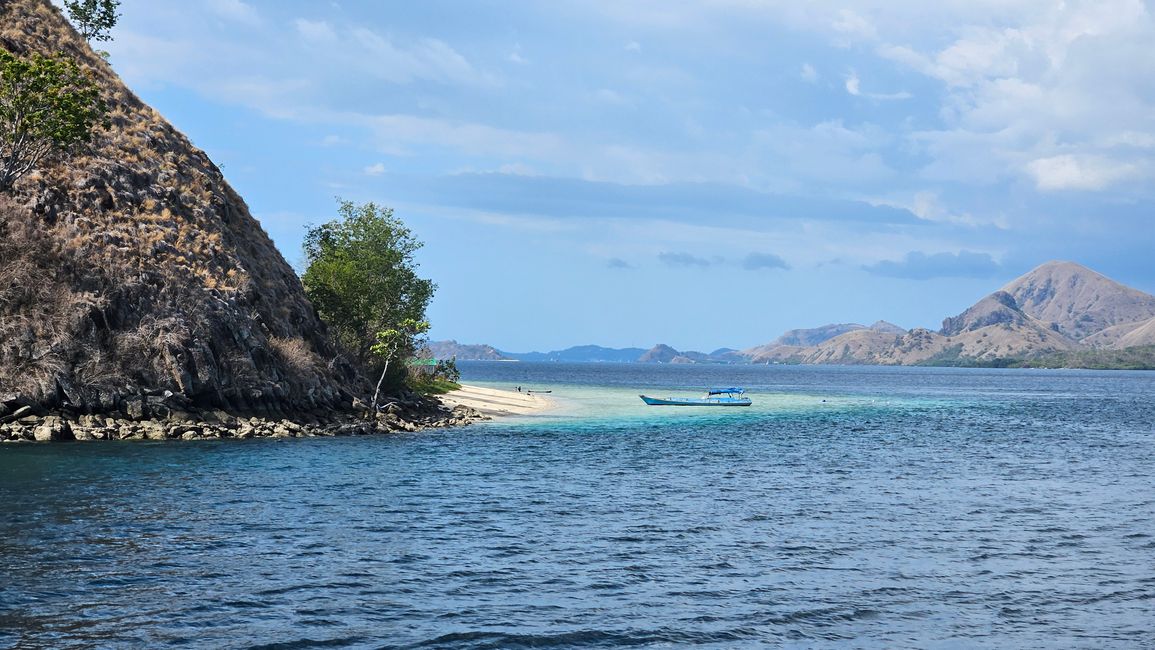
(849, 507)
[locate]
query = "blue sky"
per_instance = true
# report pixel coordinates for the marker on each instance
(700, 174)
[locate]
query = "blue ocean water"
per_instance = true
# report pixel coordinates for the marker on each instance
(849, 507)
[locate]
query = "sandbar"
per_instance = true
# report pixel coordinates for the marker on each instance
(495, 402)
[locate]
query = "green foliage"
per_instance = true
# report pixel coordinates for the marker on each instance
(431, 384)
(47, 105)
(438, 379)
(447, 368)
(951, 357)
(403, 337)
(363, 280)
(93, 18)
(1133, 358)
(391, 341)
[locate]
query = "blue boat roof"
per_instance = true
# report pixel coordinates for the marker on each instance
(719, 391)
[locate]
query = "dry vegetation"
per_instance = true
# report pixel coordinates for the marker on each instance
(135, 266)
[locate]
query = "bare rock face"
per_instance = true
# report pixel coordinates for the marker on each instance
(999, 308)
(133, 271)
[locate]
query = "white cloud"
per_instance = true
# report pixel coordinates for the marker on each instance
(808, 73)
(852, 85)
(236, 11)
(317, 32)
(607, 96)
(467, 137)
(427, 58)
(375, 169)
(1072, 172)
(854, 26)
(929, 206)
(518, 169)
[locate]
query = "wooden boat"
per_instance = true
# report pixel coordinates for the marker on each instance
(713, 397)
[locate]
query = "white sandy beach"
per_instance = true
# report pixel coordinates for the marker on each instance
(496, 403)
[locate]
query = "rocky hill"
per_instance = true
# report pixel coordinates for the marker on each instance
(791, 342)
(836, 343)
(1079, 302)
(1055, 309)
(461, 352)
(133, 277)
(662, 353)
(1055, 314)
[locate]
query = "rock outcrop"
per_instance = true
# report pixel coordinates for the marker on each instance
(405, 413)
(134, 271)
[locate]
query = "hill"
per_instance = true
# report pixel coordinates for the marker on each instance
(581, 354)
(455, 350)
(1056, 313)
(791, 342)
(133, 277)
(1058, 308)
(1078, 302)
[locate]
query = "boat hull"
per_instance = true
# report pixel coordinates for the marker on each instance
(696, 401)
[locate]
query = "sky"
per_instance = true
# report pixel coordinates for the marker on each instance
(702, 174)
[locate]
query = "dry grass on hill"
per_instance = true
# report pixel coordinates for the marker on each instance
(134, 266)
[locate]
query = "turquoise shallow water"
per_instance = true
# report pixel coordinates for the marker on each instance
(911, 508)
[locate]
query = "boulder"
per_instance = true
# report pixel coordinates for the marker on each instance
(52, 429)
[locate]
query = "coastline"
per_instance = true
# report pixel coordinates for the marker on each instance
(495, 402)
(407, 413)
(461, 407)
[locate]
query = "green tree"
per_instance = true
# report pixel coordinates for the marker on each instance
(392, 341)
(362, 278)
(47, 105)
(93, 18)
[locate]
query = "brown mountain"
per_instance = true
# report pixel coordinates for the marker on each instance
(133, 274)
(870, 345)
(462, 352)
(1079, 302)
(864, 346)
(662, 353)
(786, 346)
(1058, 307)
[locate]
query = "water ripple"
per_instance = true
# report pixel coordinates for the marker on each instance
(914, 509)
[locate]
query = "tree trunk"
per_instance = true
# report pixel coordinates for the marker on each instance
(377, 391)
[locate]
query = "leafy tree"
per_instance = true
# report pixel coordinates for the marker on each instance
(391, 341)
(47, 105)
(363, 280)
(93, 18)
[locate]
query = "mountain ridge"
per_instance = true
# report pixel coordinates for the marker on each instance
(1063, 300)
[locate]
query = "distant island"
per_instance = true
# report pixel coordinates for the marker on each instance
(1059, 315)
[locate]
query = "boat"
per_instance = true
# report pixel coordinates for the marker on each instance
(714, 397)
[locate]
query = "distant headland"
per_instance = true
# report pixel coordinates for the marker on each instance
(1059, 315)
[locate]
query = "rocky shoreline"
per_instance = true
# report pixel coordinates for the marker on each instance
(164, 417)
